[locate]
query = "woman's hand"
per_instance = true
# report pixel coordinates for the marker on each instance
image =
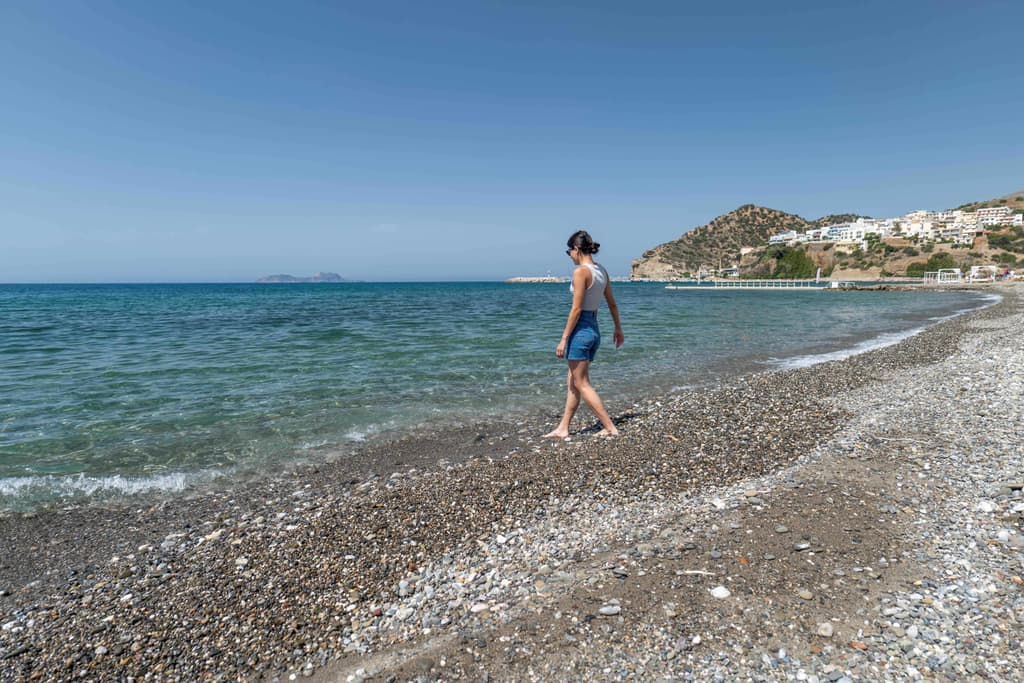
(619, 338)
(560, 349)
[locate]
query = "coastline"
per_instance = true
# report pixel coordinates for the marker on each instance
(308, 568)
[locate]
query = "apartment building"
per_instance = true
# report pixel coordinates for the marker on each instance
(994, 215)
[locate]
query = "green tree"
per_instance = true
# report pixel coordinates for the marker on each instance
(794, 263)
(916, 269)
(941, 260)
(1000, 241)
(936, 262)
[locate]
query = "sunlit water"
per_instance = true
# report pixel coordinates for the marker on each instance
(123, 388)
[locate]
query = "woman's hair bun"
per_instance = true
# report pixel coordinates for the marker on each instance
(582, 240)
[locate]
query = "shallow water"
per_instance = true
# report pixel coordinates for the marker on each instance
(121, 388)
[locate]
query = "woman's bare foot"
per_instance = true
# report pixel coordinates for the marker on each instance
(557, 434)
(606, 432)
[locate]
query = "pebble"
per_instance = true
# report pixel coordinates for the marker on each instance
(720, 592)
(825, 630)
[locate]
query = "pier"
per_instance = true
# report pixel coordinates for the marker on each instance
(809, 283)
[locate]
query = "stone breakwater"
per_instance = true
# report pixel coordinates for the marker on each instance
(855, 520)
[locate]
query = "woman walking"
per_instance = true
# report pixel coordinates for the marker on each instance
(581, 337)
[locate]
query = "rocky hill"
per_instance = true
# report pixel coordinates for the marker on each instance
(719, 243)
(1014, 200)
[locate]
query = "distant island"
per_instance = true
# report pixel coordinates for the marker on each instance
(316, 277)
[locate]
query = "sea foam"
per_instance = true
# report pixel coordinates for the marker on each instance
(878, 342)
(73, 486)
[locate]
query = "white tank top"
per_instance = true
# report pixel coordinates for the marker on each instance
(595, 292)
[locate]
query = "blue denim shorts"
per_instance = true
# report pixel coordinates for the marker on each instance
(585, 338)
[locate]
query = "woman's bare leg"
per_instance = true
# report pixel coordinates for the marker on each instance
(580, 387)
(572, 402)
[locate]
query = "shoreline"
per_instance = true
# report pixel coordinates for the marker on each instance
(309, 568)
(115, 490)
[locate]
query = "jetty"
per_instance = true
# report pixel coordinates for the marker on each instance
(766, 285)
(543, 279)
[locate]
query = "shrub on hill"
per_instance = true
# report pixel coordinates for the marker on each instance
(941, 260)
(794, 263)
(916, 269)
(936, 262)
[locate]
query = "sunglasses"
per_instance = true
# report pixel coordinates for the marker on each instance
(568, 252)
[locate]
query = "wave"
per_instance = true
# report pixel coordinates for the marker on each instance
(881, 341)
(71, 487)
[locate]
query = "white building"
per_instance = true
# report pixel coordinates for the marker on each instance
(922, 229)
(783, 237)
(994, 215)
(915, 217)
(859, 230)
(967, 233)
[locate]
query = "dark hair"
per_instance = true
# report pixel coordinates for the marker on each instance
(582, 240)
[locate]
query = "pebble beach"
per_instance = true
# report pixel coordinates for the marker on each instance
(861, 519)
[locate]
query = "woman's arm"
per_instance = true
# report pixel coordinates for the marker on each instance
(579, 288)
(613, 308)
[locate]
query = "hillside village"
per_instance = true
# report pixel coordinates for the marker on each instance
(957, 226)
(759, 242)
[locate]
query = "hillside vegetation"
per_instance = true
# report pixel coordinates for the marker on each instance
(1014, 200)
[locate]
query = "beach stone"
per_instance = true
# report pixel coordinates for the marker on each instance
(805, 594)
(825, 630)
(609, 610)
(720, 592)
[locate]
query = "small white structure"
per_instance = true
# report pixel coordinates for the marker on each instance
(983, 274)
(945, 276)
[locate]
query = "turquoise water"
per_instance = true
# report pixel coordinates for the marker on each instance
(112, 388)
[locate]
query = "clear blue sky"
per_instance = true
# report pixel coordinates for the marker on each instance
(223, 141)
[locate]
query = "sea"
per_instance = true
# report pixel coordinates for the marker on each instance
(108, 390)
